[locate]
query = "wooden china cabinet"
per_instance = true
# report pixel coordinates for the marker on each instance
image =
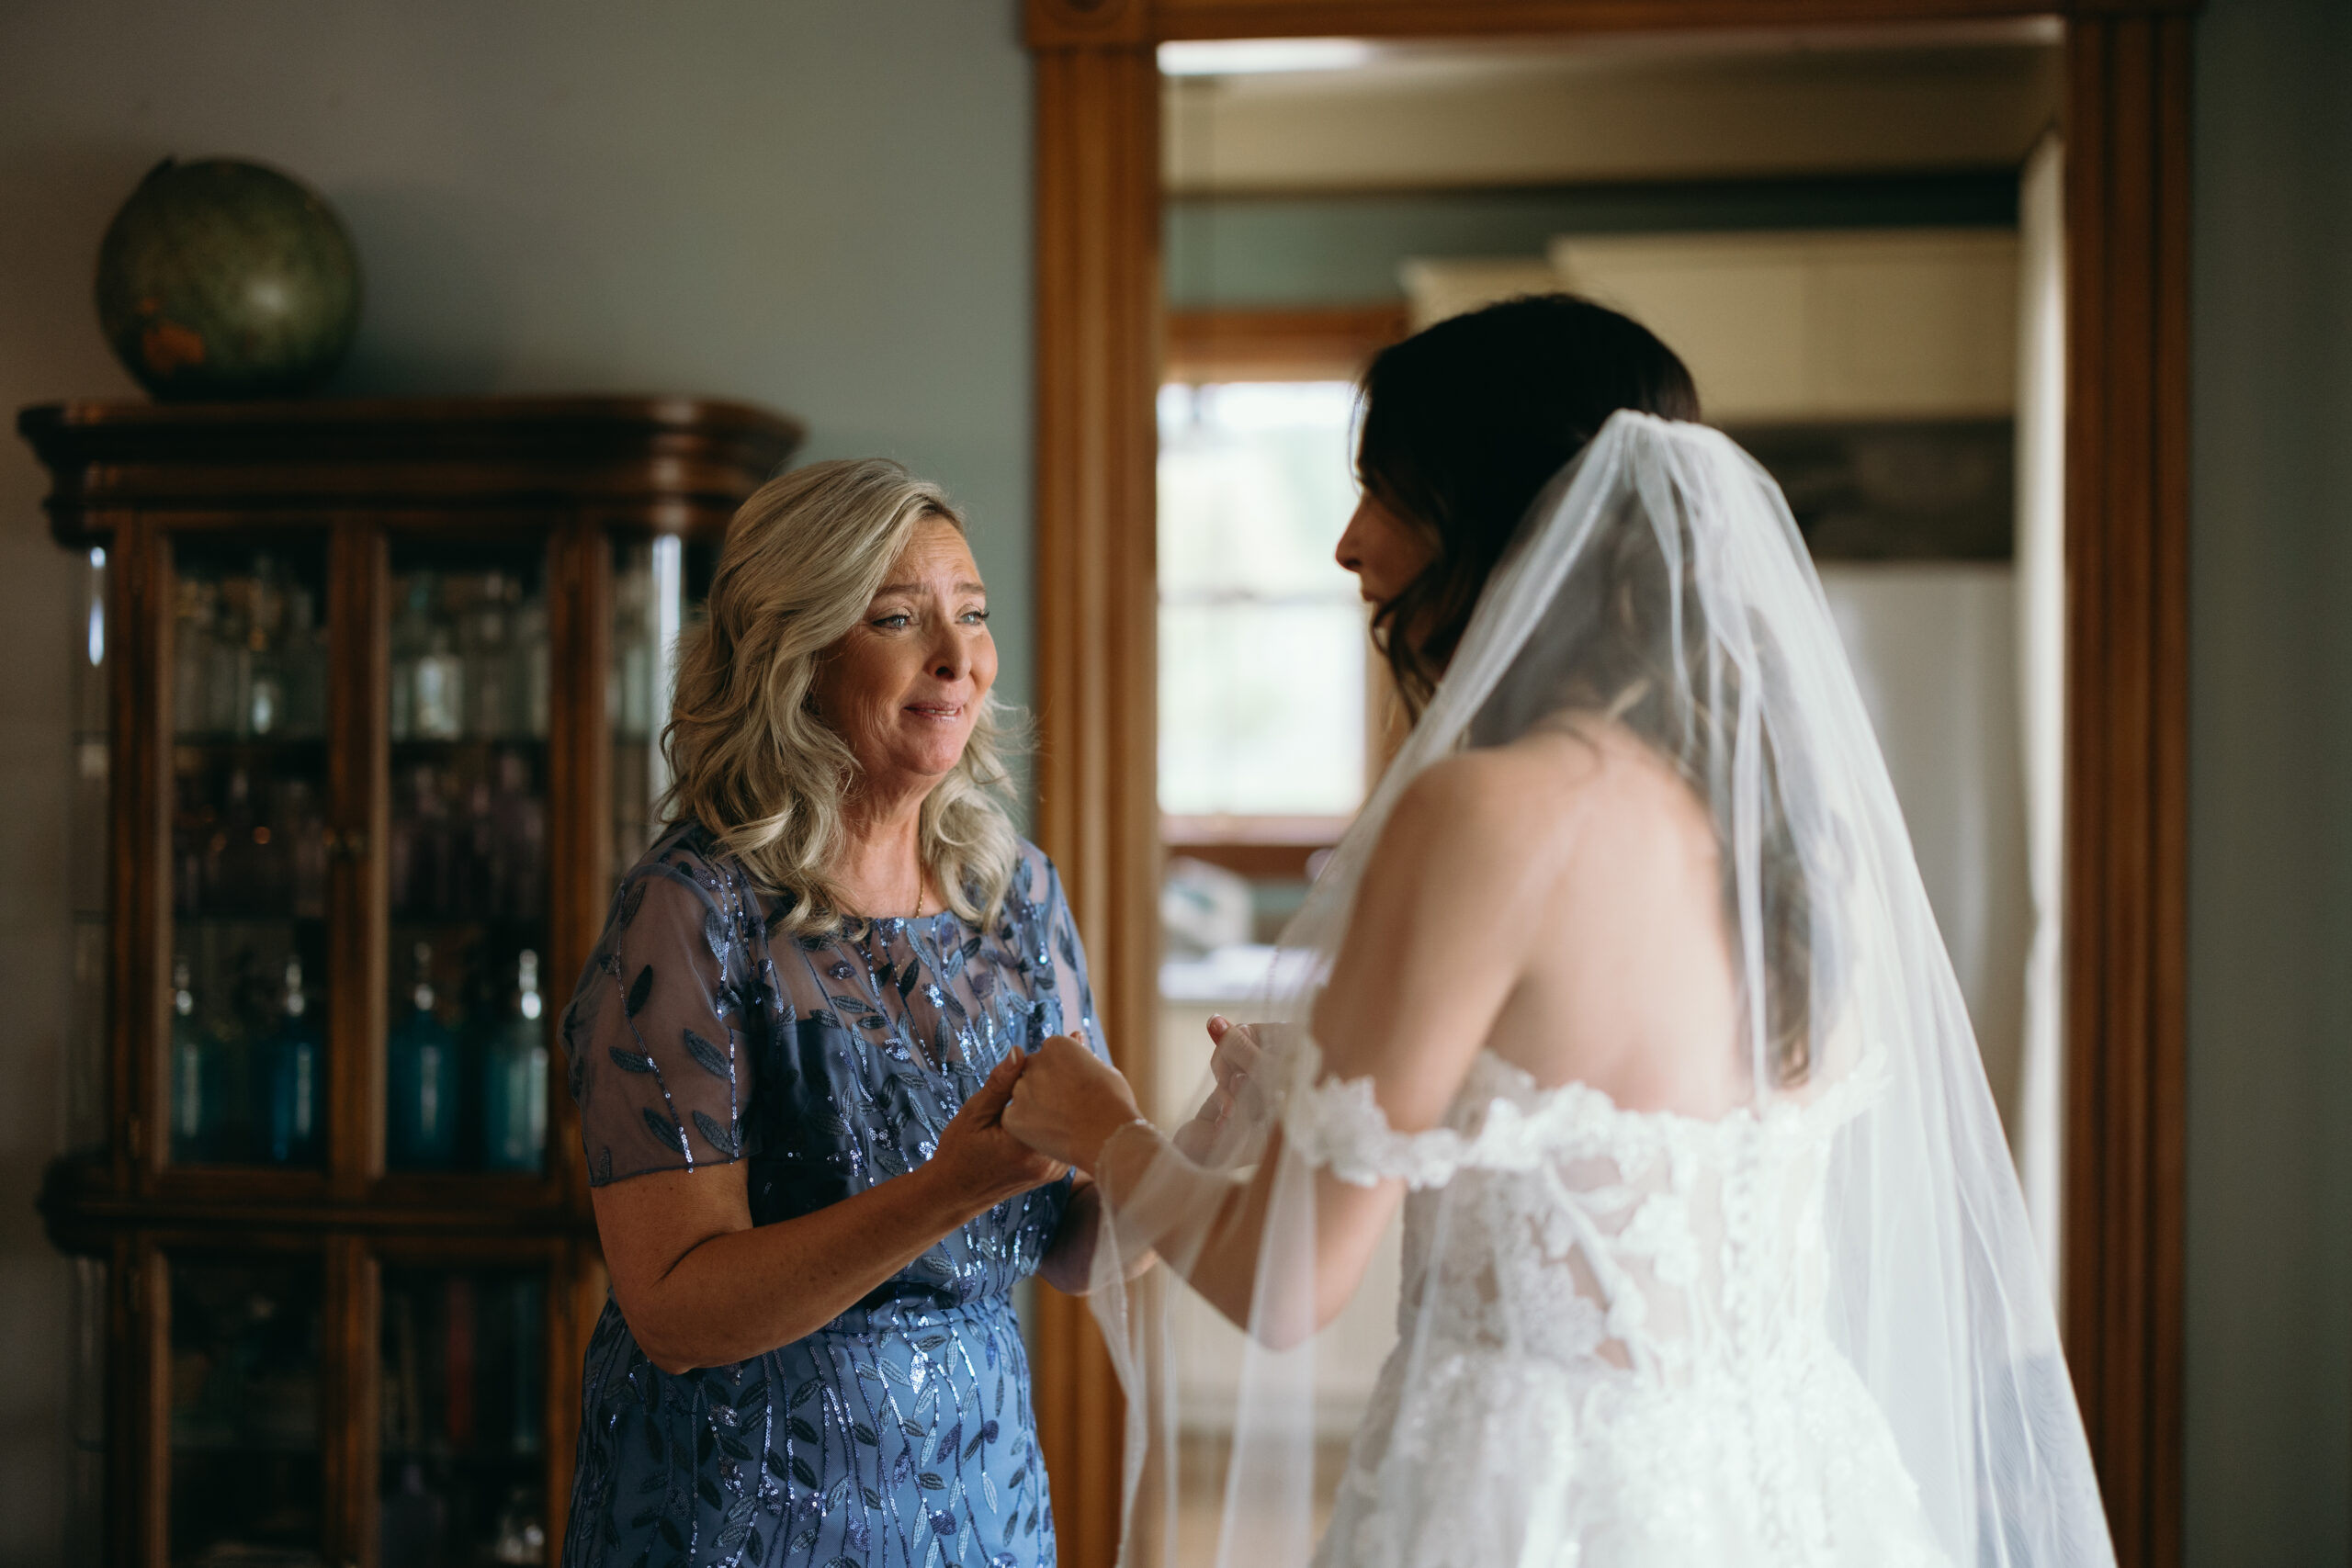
(374, 689)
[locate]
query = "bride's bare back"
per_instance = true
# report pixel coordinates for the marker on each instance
(1558, 901)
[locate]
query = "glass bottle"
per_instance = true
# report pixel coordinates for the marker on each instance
(414, 1523)
(421, 1072)
(303, 662)
(264, 712)
(519, 1538)
(489, 660)
(290, 1116)
(514, 1079)
(440, 681)
(228, 695)
(192, 1128)
(530, 668)
(192, 639)
(411, 631)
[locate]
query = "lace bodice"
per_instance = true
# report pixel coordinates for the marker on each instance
(1613, 1336)
(1654, 1241)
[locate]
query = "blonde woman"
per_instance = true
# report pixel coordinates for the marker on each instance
(791, 1050)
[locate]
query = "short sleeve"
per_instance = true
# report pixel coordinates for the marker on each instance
(1065, 982)
(659, 1062)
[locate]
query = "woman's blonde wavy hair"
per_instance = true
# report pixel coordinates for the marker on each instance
(752, 762)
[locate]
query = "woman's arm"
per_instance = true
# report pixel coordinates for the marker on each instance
(1435, 945)
(1068, 1263)
(701, 1286)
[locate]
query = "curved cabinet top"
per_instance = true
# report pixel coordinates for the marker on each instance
(679, 465)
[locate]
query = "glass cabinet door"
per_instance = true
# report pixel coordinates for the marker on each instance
(247, 1058)
(465, 1050)
(463, 1405)
(649, 605)
(92, 825)
(245, 1480)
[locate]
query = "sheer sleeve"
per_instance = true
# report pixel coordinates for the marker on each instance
(1062, 980)
(654, 1033)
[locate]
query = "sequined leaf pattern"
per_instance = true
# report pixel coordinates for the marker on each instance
(715, 1136)
(901, 1434)
(711, 1059)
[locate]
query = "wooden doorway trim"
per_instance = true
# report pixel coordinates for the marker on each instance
(1329, 345)
(1099, 341)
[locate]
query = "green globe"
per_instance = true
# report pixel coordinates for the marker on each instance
(223, 279)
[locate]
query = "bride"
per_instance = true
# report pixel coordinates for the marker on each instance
(1624, 985)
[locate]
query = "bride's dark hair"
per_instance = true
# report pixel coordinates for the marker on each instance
(1465, 422)
(1464, 426)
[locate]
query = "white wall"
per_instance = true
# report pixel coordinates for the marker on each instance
(2269, 1326)
(823, 206)
(1934, 647)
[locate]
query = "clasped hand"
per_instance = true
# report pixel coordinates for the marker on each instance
(1068, 1102)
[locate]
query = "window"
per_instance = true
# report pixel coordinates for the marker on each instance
(1261, 634)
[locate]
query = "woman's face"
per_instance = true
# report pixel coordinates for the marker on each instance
(1383, 551)
(903, 688)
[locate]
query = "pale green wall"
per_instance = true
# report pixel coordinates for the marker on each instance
(819, 205)
(1347, 248)
(2269, 1398)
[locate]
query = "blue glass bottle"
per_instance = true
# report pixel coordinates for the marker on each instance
(290, 1080)
(421, 1082)
(194, 1073)
(514, 1079)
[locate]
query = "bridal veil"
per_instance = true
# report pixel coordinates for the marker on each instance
(1658, 580)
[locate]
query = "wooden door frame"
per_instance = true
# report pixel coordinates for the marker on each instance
(2126, 121)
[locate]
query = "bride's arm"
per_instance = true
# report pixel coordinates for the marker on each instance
(1437, 941)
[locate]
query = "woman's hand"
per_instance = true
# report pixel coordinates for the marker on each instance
(978, 1155)
(1069, 1103)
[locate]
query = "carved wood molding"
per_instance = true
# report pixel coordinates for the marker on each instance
(1280, 345)
(1170, 20)
(1098, 350)
(2127, 533)
(1075, 23)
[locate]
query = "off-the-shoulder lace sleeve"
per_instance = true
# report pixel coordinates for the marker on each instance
(1337, 1124)
(1340, 1125)
(1501, 1121)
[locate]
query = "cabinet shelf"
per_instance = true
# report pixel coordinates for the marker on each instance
(219, 740)
(286, 586)
(442, 746)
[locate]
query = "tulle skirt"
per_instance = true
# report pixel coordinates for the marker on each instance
(1476, 1458)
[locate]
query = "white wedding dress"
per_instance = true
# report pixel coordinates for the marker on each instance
(1810, 1332)
(1637, 1370)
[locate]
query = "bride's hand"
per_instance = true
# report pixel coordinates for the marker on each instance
(1234, 1058)
(1069, 1103)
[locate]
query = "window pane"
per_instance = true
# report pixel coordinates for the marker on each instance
(1254, 489)
(1260, 709)
(1261, 638)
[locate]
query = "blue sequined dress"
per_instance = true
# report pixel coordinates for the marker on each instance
(900, 1434)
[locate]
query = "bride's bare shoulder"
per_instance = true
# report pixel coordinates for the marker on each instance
(1517, 799)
